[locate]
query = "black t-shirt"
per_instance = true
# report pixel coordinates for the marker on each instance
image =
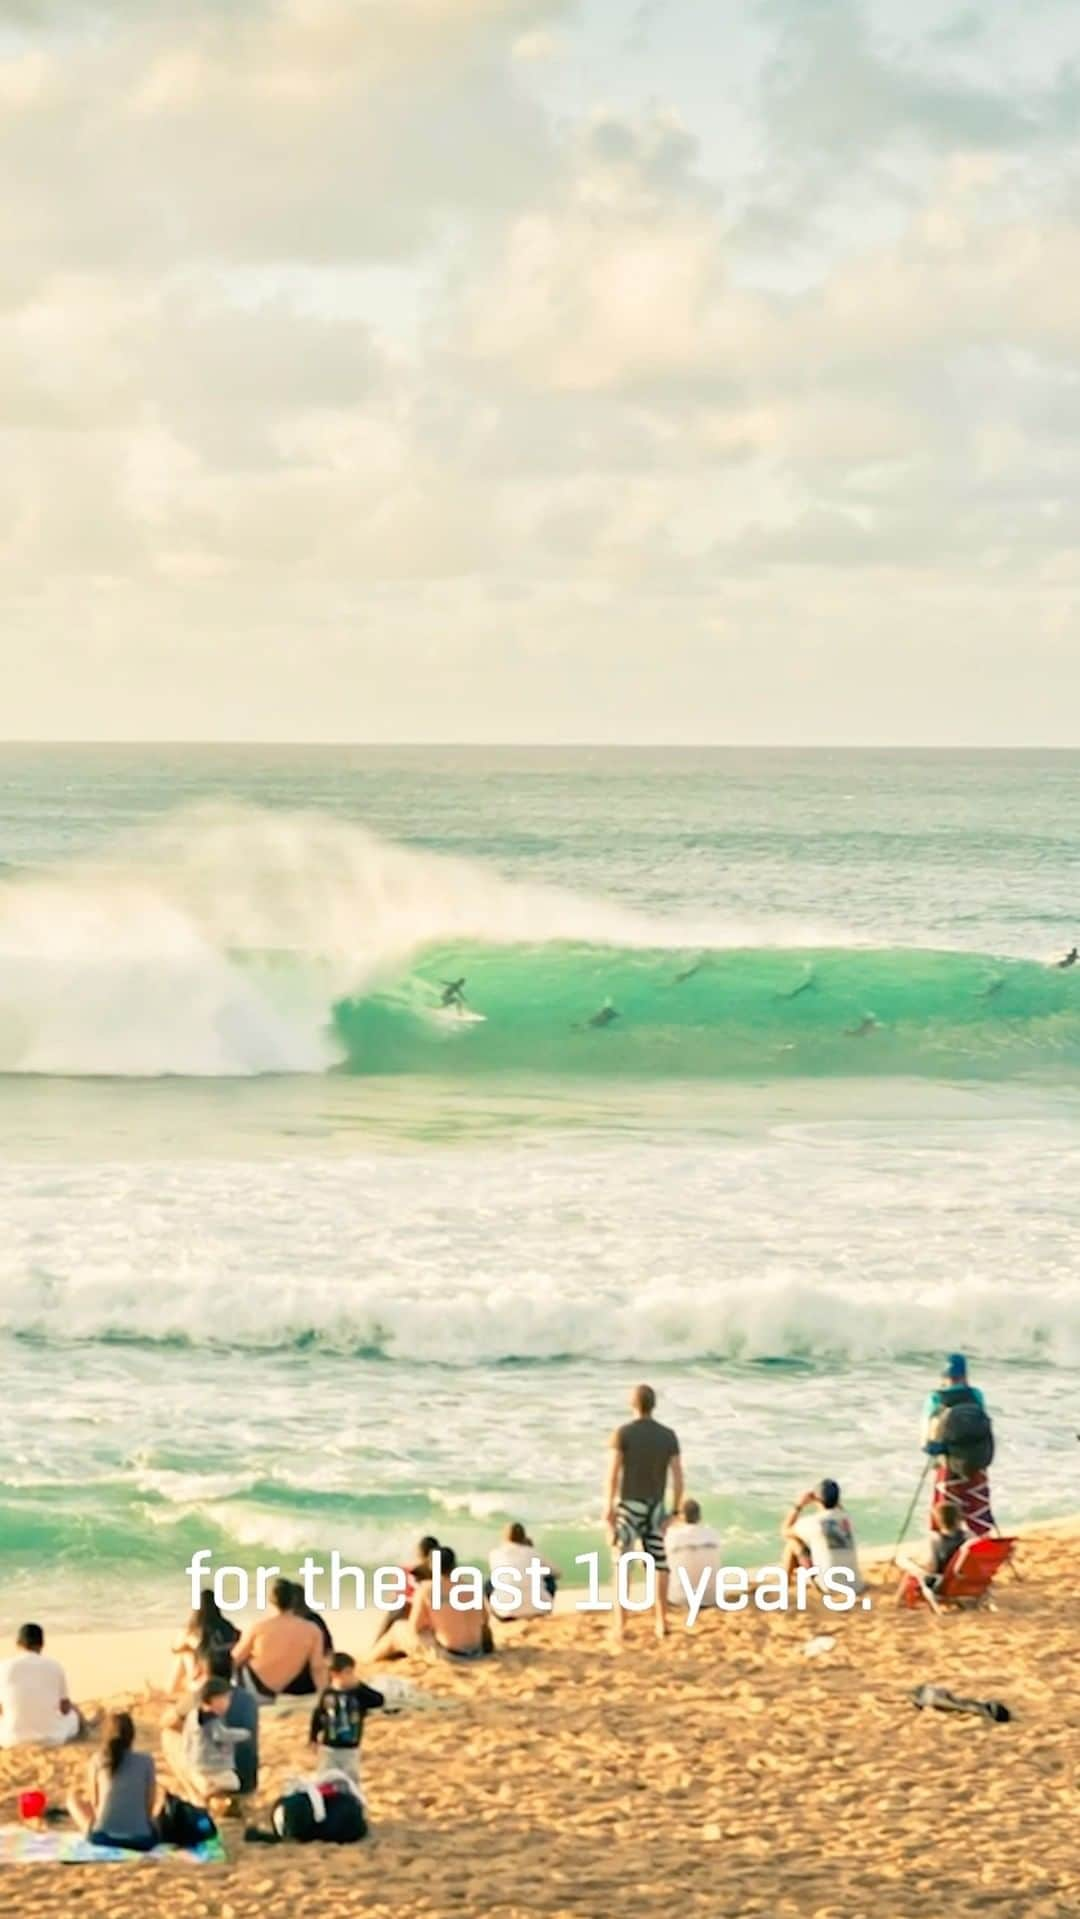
(338, 1719)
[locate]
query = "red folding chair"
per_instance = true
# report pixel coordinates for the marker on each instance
(966, 1581)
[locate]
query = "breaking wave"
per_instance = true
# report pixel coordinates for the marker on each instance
(229, 942)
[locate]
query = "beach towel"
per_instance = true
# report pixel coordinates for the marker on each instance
(23, 1846)
(971, 1493)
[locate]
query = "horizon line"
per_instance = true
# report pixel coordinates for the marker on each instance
(553, 746)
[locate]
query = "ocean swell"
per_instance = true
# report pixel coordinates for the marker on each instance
(226, 943)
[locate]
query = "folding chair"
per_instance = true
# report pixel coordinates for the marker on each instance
(966, 1580)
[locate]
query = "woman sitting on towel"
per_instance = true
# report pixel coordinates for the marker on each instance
(121, 1790)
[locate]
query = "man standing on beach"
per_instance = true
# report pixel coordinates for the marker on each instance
(643, 1454)
(958, 1436)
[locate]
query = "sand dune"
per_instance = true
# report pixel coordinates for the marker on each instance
(722, 1775)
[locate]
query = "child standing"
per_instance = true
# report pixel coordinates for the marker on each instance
(338, 1720)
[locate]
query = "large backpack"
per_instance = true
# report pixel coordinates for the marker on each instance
(328, 1813)
(179, 1823)
(962, 1431)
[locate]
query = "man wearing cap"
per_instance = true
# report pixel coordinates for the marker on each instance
(817, 1532)
(957, 1434)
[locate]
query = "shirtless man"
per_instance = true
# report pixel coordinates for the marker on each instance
(442, 1628)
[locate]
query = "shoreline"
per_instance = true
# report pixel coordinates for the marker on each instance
(133, 1662)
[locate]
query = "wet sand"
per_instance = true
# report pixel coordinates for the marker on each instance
(720, 1775)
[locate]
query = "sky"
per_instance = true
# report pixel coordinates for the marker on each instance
(569, 370)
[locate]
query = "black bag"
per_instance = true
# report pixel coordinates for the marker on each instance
(182, 1824)
(963, 1431)
(296, 1817)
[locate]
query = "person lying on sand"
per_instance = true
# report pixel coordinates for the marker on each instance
(817, 1532)
(282, 1652)
(35, 1706)
(642, 1457)
(119, 1805)
(241, 1714)
(516, 1553)
(441, 1629)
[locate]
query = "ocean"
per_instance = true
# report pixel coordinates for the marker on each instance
(766, 1090)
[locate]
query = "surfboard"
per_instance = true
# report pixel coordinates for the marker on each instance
(458, 1016)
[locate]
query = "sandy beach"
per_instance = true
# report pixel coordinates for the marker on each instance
(724, 1773)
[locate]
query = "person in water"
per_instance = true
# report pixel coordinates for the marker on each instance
(688, 972)
(1070, 959)
(868, 1024)
(453, 993)
(806, 985)
(606, 1015)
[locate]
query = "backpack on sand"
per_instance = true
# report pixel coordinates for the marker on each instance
(962, 1431)
(330, 1813)
(182, 1824)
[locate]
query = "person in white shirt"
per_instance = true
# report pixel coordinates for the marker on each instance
(516, 1553)
(35, 1709)
(693, 1549)
(817, 1532)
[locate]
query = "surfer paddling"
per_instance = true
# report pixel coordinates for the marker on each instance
(605, 1016)
(868, 1024)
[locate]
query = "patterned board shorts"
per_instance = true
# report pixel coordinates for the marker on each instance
(641, 1522)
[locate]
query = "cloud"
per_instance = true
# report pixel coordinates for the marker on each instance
(355, 374)
(306, 130)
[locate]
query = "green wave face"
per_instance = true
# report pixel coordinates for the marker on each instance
(585, 1010)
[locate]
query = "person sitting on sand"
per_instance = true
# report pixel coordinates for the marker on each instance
(209, 1745)
(303, 1611)
(516, 1553)
(206, 1632)
(439, 1629)
(415, 1575)
(35, 1705)
(643, 1454)
(947, 1535)
(119, 1806)
(241, 1714)
(692, 1550)
(337, 1724)
(281, 1652)
(817, 1532)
